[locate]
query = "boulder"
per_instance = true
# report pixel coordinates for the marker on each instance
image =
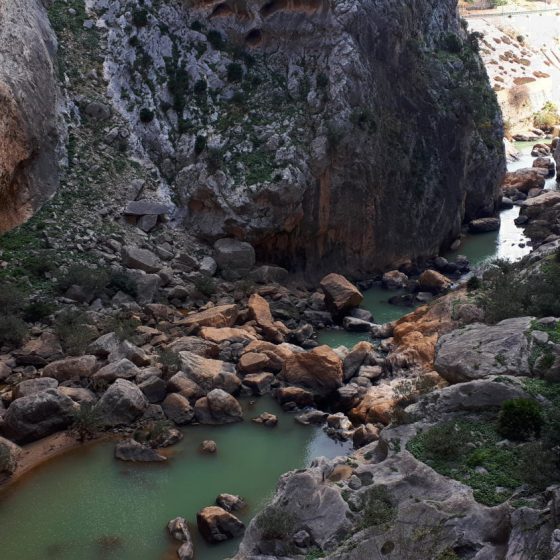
(178, 409)
(122, 404)
(78, 394)
(39, 415)
(394, 280)
(433, 281)
(277, 353)
(234, 258)
(546, 164)
(319, 370)
(136, 355)
(225, 334)
(219, 316)
(209, 374)
(217, 525)
(39, 351)
(218, 407)
(340, 295)
(105, 345)
(71, 368)
(196, 345)
(122, 369)
(179, 530)
(252, 362)
(230, 502)
(259, 311)
(364, 434)
(351, 324)
(269, 274)
(478, 351)
(484, 225)
(5, 372)
(9, 455)
(181, 383)
(145, 207)
(524, 180)
(208, 446)
(266, 419)
(355, 358)
(135, 452)
(141, 259)
(296, 396)
(154, 388)
(259, 383)
(33, 386)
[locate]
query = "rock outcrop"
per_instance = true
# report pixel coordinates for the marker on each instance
(357, 83)
(30, 133)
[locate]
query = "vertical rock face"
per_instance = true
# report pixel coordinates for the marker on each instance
(347, 135)
(29, 134)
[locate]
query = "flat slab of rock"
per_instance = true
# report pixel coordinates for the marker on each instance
(71, 368)
(478, 351)
(219, 335)
(135, 452)
(484, 225)
(145, 207)
(141, 259)
(217, 525)
(196, 345)
(33, 386)
(259, 383)
(209, 374)
(219, 316)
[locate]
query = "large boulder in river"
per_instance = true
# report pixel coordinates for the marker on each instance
(178, 409)
(478, 351)
(135, 452)
(179, 530)
(433, 281)
(38, 415)
(319, 370)
(122, 404)
(484, 225)
(218, 407)
(524, 180)
(209, 374)
(234, 258)
(217, 525)
(340, 295)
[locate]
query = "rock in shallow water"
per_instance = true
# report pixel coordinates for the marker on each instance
(217, 525)
(135, 452)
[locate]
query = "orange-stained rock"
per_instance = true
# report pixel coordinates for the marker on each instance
(219, 316)
(251, 362)
(300, 397)
(340, 294)
(319, 370)
(217, 525)
(433, 281)
(219, 335)
(277, 353)
(259, 311)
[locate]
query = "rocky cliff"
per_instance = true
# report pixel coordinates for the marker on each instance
(350, 135)
(29, 135)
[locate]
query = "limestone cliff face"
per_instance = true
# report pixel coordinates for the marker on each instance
(333, 135)
(28, 111)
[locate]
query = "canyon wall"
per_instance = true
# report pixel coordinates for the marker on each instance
(347, 135)
(29, 132)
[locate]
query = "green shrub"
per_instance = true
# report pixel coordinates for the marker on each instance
(38, 311)
(473, 283)
(86, 421)
(146, 115)
(234, 72)
(11, 298)
(547, 117)
(122, 282)
(140, 17)
(92, 280)
(200, 87)
(196, 25)
(123, 326)
(215, 159)
(205, 286)
(74, 331)
(520, 419)
(199, 144)
(452, 43)
(169, 360)
(12, 330)
(275, 524)
(39, 265)
(538, 466)
(215, 39)
(378, 507)
(443, 442)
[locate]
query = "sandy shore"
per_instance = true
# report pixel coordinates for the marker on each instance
(39, 452)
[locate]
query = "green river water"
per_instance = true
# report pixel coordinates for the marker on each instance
(86, 505)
